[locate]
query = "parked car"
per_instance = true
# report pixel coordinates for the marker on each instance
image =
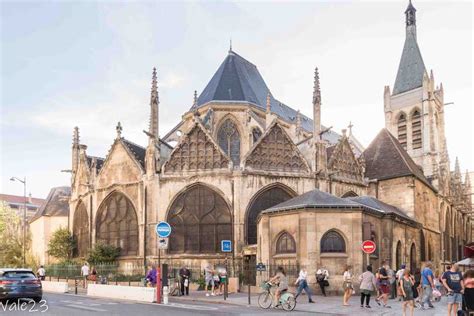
(19, 284)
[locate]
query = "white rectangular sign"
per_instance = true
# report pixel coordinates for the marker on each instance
(163, 243)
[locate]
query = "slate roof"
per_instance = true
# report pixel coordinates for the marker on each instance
(313, 199)
(99, 161)
(374, 204)
(17, 200)
(411, 68)
(137, 151)
(57, 203)
(385, 158)
(238, 80)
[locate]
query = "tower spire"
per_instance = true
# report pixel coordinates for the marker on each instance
(154, 104)
(316, 106)
(410, 19)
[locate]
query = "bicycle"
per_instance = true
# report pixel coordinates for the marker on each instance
(265, 299)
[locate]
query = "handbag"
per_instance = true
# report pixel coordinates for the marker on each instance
(325, 283)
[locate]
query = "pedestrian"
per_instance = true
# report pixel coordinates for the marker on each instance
(41, 273)
(399, 276)
(322, 276)
(302, 283)
(85, 273)
(347, 285)
(468, 302)
(209, 279)
(222, 280)
(384, 286)
(151, 276)
(368, 284)
(406, 286)
(417, 290)
(281, 279)
(392, 279)
(438, 283)
(454, 284)
(427, 283)
(93, 276)
(185, 277)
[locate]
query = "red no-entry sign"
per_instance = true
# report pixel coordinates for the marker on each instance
(368, 246)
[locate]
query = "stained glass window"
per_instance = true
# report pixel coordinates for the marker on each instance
(80, 230)
(229, 140)
(285, 244)
(332, 241)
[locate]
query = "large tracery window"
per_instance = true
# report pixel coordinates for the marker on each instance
(285, 244)
(332, 241)
(402, 130)
(200, 219)
(416, 130)
(264, 200)
(80, 230)
(228, 138)
(117, 224)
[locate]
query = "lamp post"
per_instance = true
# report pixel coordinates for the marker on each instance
(24, 216)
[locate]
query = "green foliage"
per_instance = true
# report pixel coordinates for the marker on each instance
(102, 253)
(61, 245)
(11, 245)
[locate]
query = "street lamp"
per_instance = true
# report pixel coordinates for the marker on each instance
(24, 216)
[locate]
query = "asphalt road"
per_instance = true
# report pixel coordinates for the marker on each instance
(72, 305)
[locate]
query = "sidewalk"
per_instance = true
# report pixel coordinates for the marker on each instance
(331, 305)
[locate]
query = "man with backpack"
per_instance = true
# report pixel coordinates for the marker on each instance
(454, 284)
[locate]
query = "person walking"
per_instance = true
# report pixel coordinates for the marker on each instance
(392, 280)
(184, 276)
(41, 273)
(85, 273)
(384, 286)
(347, 285)
(454, 284)
(322, 276)
(368, 284)
(406, 284)
(209, 279)
(222, 280)
(93, 276)
(427, 283)
(468, 279)
(302, 283)
(399, 276)
(151, 276)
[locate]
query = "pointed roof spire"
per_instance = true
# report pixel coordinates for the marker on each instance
(316, 88)
(75, 136)
(269, 104)
(154, 103)
(119, 129)
(410, 14)
(457, 169)
(467, 180)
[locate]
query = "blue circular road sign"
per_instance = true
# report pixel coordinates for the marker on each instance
(163, 229)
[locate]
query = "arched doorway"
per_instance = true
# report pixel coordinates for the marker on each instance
(413, 257)
(200, 218)
(398, 255)
(80, 230)
(267, 198)
(117, 224)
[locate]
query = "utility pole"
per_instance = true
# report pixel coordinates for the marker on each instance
(24, 216)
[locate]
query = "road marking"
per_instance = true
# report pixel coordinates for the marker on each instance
(189, 306)
(87, 308)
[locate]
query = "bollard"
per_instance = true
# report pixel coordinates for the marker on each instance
(158, 286)
(165, 295)
(75, 285)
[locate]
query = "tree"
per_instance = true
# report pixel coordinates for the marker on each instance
(102, 253)
(61, 244)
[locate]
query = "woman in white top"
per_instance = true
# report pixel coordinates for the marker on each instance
(347, 285)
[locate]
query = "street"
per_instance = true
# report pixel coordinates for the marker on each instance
(71, 305)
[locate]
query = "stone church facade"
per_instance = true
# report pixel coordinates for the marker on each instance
(238, 151)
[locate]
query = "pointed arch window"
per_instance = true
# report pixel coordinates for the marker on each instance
(285, 244)
(228, 137)
(416, 130)
(117, 224)
(80, 230)
(332, 242)
(402, 130)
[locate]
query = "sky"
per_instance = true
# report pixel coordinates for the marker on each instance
(89, 64)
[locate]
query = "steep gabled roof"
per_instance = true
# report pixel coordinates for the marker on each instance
(99, 161)
(137, 151)
(385, 158)
(314, 199)
(57, 203)
(411, 68)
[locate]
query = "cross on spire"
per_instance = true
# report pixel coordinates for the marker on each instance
(350, 126)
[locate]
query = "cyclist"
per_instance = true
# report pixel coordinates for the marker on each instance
(281, 279)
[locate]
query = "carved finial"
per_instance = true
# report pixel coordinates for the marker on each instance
(119, 130)
(154, 104)
(195, 100)
(230, 45)
(269, 105)
(350, 126)
(344, 132)
(298, 122)
(75, 137)
(467, 180)
(457, 169)
(317, 88)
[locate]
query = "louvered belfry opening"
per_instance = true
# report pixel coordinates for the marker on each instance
(80, 230)
(228, 138)
(402, 130)
(416, 130)
(266, 199)
(200, 219)
(117, 224)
